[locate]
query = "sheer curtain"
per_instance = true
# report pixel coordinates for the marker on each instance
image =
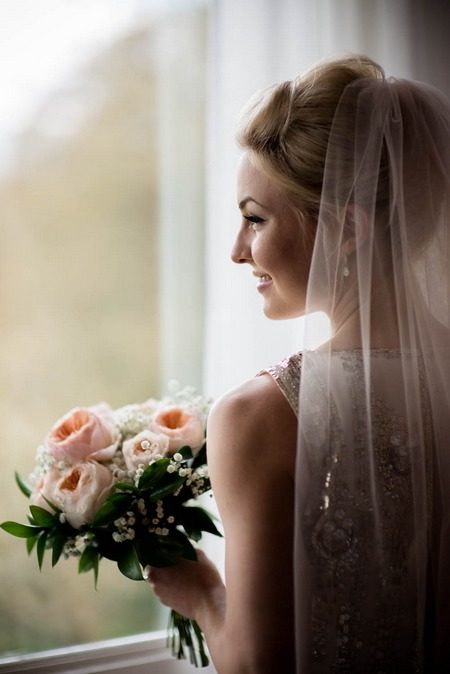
(254, 44)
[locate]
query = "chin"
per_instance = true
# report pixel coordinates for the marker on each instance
(282, 313)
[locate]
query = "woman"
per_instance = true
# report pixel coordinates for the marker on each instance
(337, 458)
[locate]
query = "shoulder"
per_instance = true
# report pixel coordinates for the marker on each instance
(254, 419)
(256, 402)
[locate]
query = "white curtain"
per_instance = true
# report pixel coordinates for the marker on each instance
(253, 44)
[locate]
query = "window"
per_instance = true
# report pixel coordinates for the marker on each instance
(101, 188)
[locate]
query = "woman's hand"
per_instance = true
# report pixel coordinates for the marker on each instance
(189, 587)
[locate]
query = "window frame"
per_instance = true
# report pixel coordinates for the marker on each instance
(137, 654)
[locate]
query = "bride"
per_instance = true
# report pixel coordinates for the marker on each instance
(331, 469)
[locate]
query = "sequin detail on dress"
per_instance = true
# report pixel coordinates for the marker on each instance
(287, 376)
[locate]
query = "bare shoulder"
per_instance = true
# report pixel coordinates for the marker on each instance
(256, 399)
(253, 418)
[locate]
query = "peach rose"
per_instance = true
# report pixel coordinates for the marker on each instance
(83, 434)
(143, 448)
(46, 486)
(79, 492)
(182, 427)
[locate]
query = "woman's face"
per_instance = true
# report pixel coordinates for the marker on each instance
(274, 241)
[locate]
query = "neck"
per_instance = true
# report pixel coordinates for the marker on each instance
(349, 330)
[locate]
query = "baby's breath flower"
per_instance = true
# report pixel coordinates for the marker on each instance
(141, 506)
(131, 420)
(69, 549)
(138, 474)
(44, 463)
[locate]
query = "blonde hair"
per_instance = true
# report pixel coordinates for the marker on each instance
(287, 126)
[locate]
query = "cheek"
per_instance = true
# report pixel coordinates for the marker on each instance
(296, 264)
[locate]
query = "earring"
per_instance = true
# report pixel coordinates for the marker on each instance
(345, 269)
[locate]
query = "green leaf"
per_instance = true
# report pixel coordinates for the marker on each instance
(40, 548)
(57, 543)
(96, 572)
(186, 452)
(88, 559)
(125, 486)
(153, 473)
(159, 550)
(30, 543)
(188, 549)
(171, 547)
(150, 551)
(23, 486)
(19, 530)
(128, 562)
(173, 482)
(114, 506)
(42, 517)
(52, 505)
(195, 520)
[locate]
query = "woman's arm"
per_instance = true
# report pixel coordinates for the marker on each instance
(251, 453)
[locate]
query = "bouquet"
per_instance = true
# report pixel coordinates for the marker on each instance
(122, 484)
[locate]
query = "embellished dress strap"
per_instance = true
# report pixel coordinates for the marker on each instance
(286, 374)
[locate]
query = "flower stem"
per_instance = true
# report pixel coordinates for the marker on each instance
(183, 632)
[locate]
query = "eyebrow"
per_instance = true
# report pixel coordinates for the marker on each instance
(245, 200)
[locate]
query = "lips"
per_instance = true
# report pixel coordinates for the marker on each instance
(264, 280)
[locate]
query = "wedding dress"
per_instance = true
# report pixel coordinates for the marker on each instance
(362, 580)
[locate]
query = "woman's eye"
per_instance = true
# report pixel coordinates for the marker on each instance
(253, 219)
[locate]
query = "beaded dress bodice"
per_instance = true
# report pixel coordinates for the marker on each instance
(361, 583)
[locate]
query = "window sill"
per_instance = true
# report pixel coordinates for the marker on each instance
(139, 654)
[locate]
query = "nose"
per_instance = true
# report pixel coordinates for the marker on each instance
(241, 251)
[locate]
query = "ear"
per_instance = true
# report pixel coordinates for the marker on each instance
(356, 229)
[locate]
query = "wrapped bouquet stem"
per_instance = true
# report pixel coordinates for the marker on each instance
(123, 485)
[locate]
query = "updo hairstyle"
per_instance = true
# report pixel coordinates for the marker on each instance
(286, 127)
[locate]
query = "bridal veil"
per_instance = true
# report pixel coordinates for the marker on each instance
(372, 533)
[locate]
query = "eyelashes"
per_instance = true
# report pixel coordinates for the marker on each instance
(254, 219)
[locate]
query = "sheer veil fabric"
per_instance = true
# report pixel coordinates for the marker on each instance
(372, 533)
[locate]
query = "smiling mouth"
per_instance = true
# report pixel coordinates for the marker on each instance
(263, 281)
